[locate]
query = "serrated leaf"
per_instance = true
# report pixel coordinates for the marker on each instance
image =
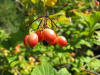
(93, 19)
(95, 64)
(79, 14)
(64, 20)
(56, 60)
(35, 25)
(96, 26)
(47, 69)
(11, 58)
(97, 40)
(44, 69)
(82, 42)
(89, 53)
(61, 13)
(63, 71)
(14, 63)
(44, 59)
(75, 69)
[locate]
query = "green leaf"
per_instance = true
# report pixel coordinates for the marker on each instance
(63, 71)
(44, 59)
(14, 63)
(44, 69)
(79, 14)
(95, 65)
(47, 69)
(56, 60)
(89, 53)
(35, 25)
(11, 58)
(76, 69)
(97, 40)
(3, 35)
(34, 1)
(25, 1)
(96, 26)
(93, 19)
(61, 13)
(82, 42)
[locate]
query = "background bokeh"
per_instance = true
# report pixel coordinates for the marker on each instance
(80, 24)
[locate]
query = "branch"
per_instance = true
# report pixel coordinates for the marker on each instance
(54, 23)
(39, 24)
(34, 20)
(91, 71)
(18, 73)
(45, 21)
(98, 56)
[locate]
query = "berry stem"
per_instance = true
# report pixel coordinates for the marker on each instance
(39, 24)
(54, 23)
(34, 20)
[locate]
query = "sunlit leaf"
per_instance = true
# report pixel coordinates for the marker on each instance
(34, 1)
(63, 71)
(44, 69)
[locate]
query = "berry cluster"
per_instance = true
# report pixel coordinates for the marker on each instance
(47, 34)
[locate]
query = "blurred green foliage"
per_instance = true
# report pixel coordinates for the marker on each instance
(80, 27)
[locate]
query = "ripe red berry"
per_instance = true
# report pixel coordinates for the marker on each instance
(49, 35)
(26, 40)
(40, 35)
(52, 42)
(61, 40)
(33, 39)
(97, 2)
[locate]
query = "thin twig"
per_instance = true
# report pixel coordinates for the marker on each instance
(98, 56)
(91, 71)
(42, 23)
(45, 21)
(39, 24)
(54, 23)
(18, 73)
(36, 19)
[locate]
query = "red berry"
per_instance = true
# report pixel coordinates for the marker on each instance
(97, 2)
(40, 35)
(33, 39)
(52, 42)
(26, 40)
(61, 40)
(49, 35)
